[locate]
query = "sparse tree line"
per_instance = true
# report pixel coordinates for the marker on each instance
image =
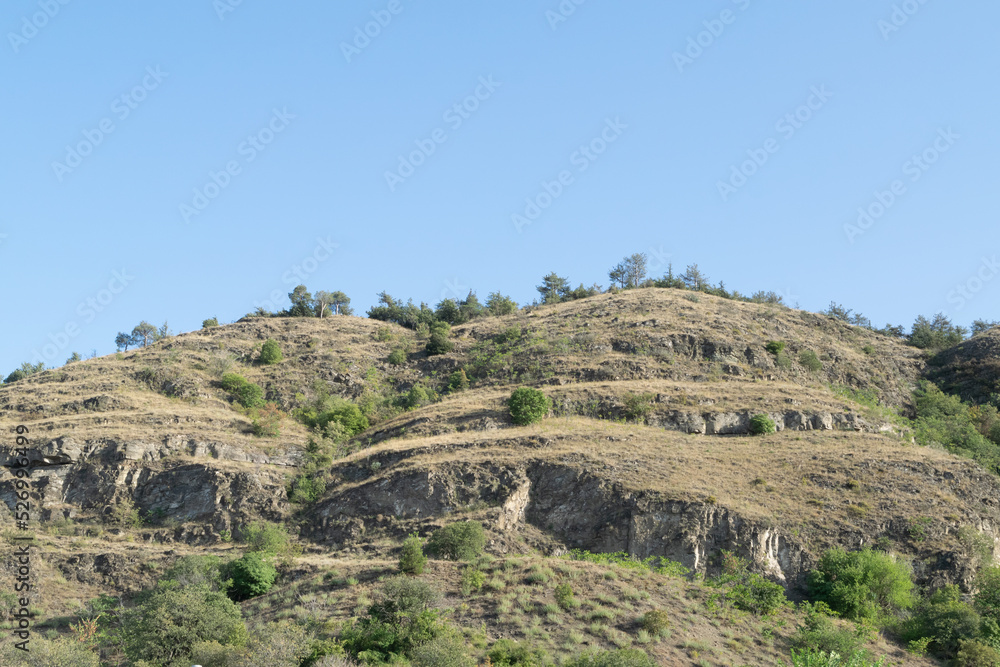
(932, 334)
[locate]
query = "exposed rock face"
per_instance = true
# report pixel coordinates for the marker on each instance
(68, 475)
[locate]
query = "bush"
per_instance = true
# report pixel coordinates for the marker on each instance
(655, 621)
(62, 652)
(775, 346)
(417, 397)
(816, 658)
(270, 352)
(266, 422)
(761, 425)
(862, 584)
(757, 595)
(252, 575)
(265, 537)
(945, 619)
(458, 381)
(626, 657)
(509, 653)
(438, 342)
(167, 622)
(472, 580)
(528, 406)
(446, 650)
(973, 654)
(210, 322)
(810, 361)
(463, 540)
(397, 357)
(412, 559)
(564, 597)
(244, 392)
(498, 305)
(819, 633)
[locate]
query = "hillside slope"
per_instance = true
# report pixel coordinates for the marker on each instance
(650, 390)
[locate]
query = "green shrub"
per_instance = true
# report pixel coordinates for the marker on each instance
(438, 342)
(463, 540)
(528, 405)
(862, 584)
(626, 657)
(397, 357)
(509, 653)
(818, 633)
(210, 322)
(445, 650)
(205, 571)
(265, 537)
(761, 425)
(564, 597)
(944, 618)
(472, 580)
(418, 396)
(62, 652)
(458, 381)
(757, 595)
(270, 352)
(244, 392)
(655, 621)
(498, 305)
(868, 349)
(412, 559)
(252, 575)
(396, 624)
(810, 361)
(637, 406)
(305, 489)
(973, 654)
(775, 346)
(167, 622)
(816, 658)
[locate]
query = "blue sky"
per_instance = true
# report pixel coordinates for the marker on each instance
(276, 124)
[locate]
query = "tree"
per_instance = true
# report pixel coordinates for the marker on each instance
(553, 288)
(470, 308)
(448, 311)
(412, 559)
(341, 303)
(861, 584)
(144, 334)
(302, 303)
(936, 334)
(498, 305)
(27, 369)
(980, 326)
(123, 340)
(630, 272)
(337, 302)
(694, 279)
(210, 322)
(438, 342)
(74, 357)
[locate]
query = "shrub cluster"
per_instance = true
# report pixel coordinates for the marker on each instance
(463, 540)
(528, 406)
(244, 392)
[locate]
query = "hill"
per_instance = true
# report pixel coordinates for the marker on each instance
(142, 457)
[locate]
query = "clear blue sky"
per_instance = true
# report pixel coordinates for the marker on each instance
(199, 81)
